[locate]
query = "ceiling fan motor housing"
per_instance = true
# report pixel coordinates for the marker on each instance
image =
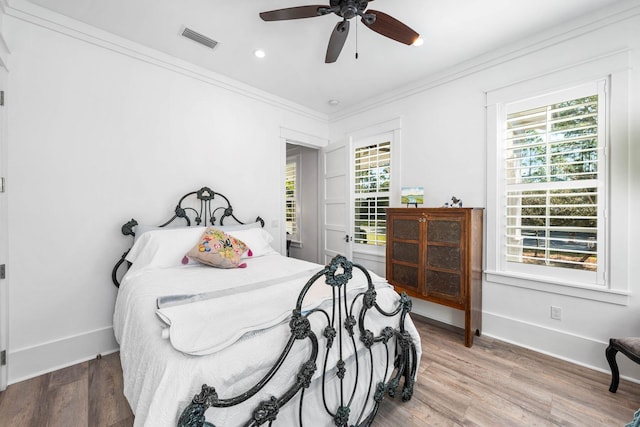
(348, 9)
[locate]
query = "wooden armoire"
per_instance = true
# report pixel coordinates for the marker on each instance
(435, 254)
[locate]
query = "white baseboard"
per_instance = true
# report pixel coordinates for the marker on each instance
(580, 350)
(47, 357)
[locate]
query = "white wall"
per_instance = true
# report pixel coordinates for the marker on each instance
(101, 131)
(444, 150)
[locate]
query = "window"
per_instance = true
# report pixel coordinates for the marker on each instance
(372, 176)
(291, 198)
(553, 185)
(559, 211)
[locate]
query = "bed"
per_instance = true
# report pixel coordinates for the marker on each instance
(271, 340)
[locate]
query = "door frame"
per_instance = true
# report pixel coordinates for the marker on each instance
(290, 136)
(4, 283)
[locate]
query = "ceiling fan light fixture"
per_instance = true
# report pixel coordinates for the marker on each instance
(369, 18)
(419, 41)
(259, 53)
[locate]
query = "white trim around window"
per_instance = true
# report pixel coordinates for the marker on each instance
(375, 135)
(607, 76)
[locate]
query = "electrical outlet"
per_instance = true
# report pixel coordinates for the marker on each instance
(556, 313)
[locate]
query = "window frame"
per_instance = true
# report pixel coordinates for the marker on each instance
(575, 277)
(615, 69)
(383, 132)
(378, 195)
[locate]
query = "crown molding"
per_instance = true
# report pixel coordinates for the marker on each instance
(580, 26)
(37, 15)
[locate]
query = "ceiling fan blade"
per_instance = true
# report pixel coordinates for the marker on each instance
(295, 13)
(390, 27)
(336, 42)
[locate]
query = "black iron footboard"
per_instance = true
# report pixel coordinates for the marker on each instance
(344, 320)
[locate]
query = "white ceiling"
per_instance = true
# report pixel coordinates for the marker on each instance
(454, 31)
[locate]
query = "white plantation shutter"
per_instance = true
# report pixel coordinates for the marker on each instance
(291, 198)
(554, 181)
(372, 171)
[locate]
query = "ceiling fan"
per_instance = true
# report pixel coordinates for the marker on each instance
(378, 21)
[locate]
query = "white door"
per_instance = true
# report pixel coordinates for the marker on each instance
(4, 301)
(335, 174)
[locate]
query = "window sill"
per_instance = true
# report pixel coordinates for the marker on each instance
(561, 288)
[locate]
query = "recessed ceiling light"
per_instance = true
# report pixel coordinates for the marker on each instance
(419, 41)
(259, 53)
(333, 102)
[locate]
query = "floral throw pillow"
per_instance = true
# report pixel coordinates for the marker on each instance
(218, 249)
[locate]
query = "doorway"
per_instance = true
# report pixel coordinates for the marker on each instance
(301, 202)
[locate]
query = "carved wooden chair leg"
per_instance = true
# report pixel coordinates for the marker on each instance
(630, 347)
(611, 358)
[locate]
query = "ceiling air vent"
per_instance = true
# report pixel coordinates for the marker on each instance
(197, 37)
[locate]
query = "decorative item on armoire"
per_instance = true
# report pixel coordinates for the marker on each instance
(455, 203)
(412, 196)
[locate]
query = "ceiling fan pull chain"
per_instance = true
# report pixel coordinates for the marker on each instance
(357, 39)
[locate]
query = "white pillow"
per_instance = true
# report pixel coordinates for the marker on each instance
(257, 239)
(140, 229)
(164, 247)
(234, 227)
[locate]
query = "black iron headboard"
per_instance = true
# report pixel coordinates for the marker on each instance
(208, 204)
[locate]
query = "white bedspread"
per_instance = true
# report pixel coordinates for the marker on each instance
(160, 381)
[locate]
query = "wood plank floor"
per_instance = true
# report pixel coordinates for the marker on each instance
(491, 384)
(498, 384)
(87, 394)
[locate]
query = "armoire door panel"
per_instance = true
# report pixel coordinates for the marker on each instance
(446, 257)
(408, 229)
(406, 275)
(444, 284)
(446, 231)
(406, 252)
